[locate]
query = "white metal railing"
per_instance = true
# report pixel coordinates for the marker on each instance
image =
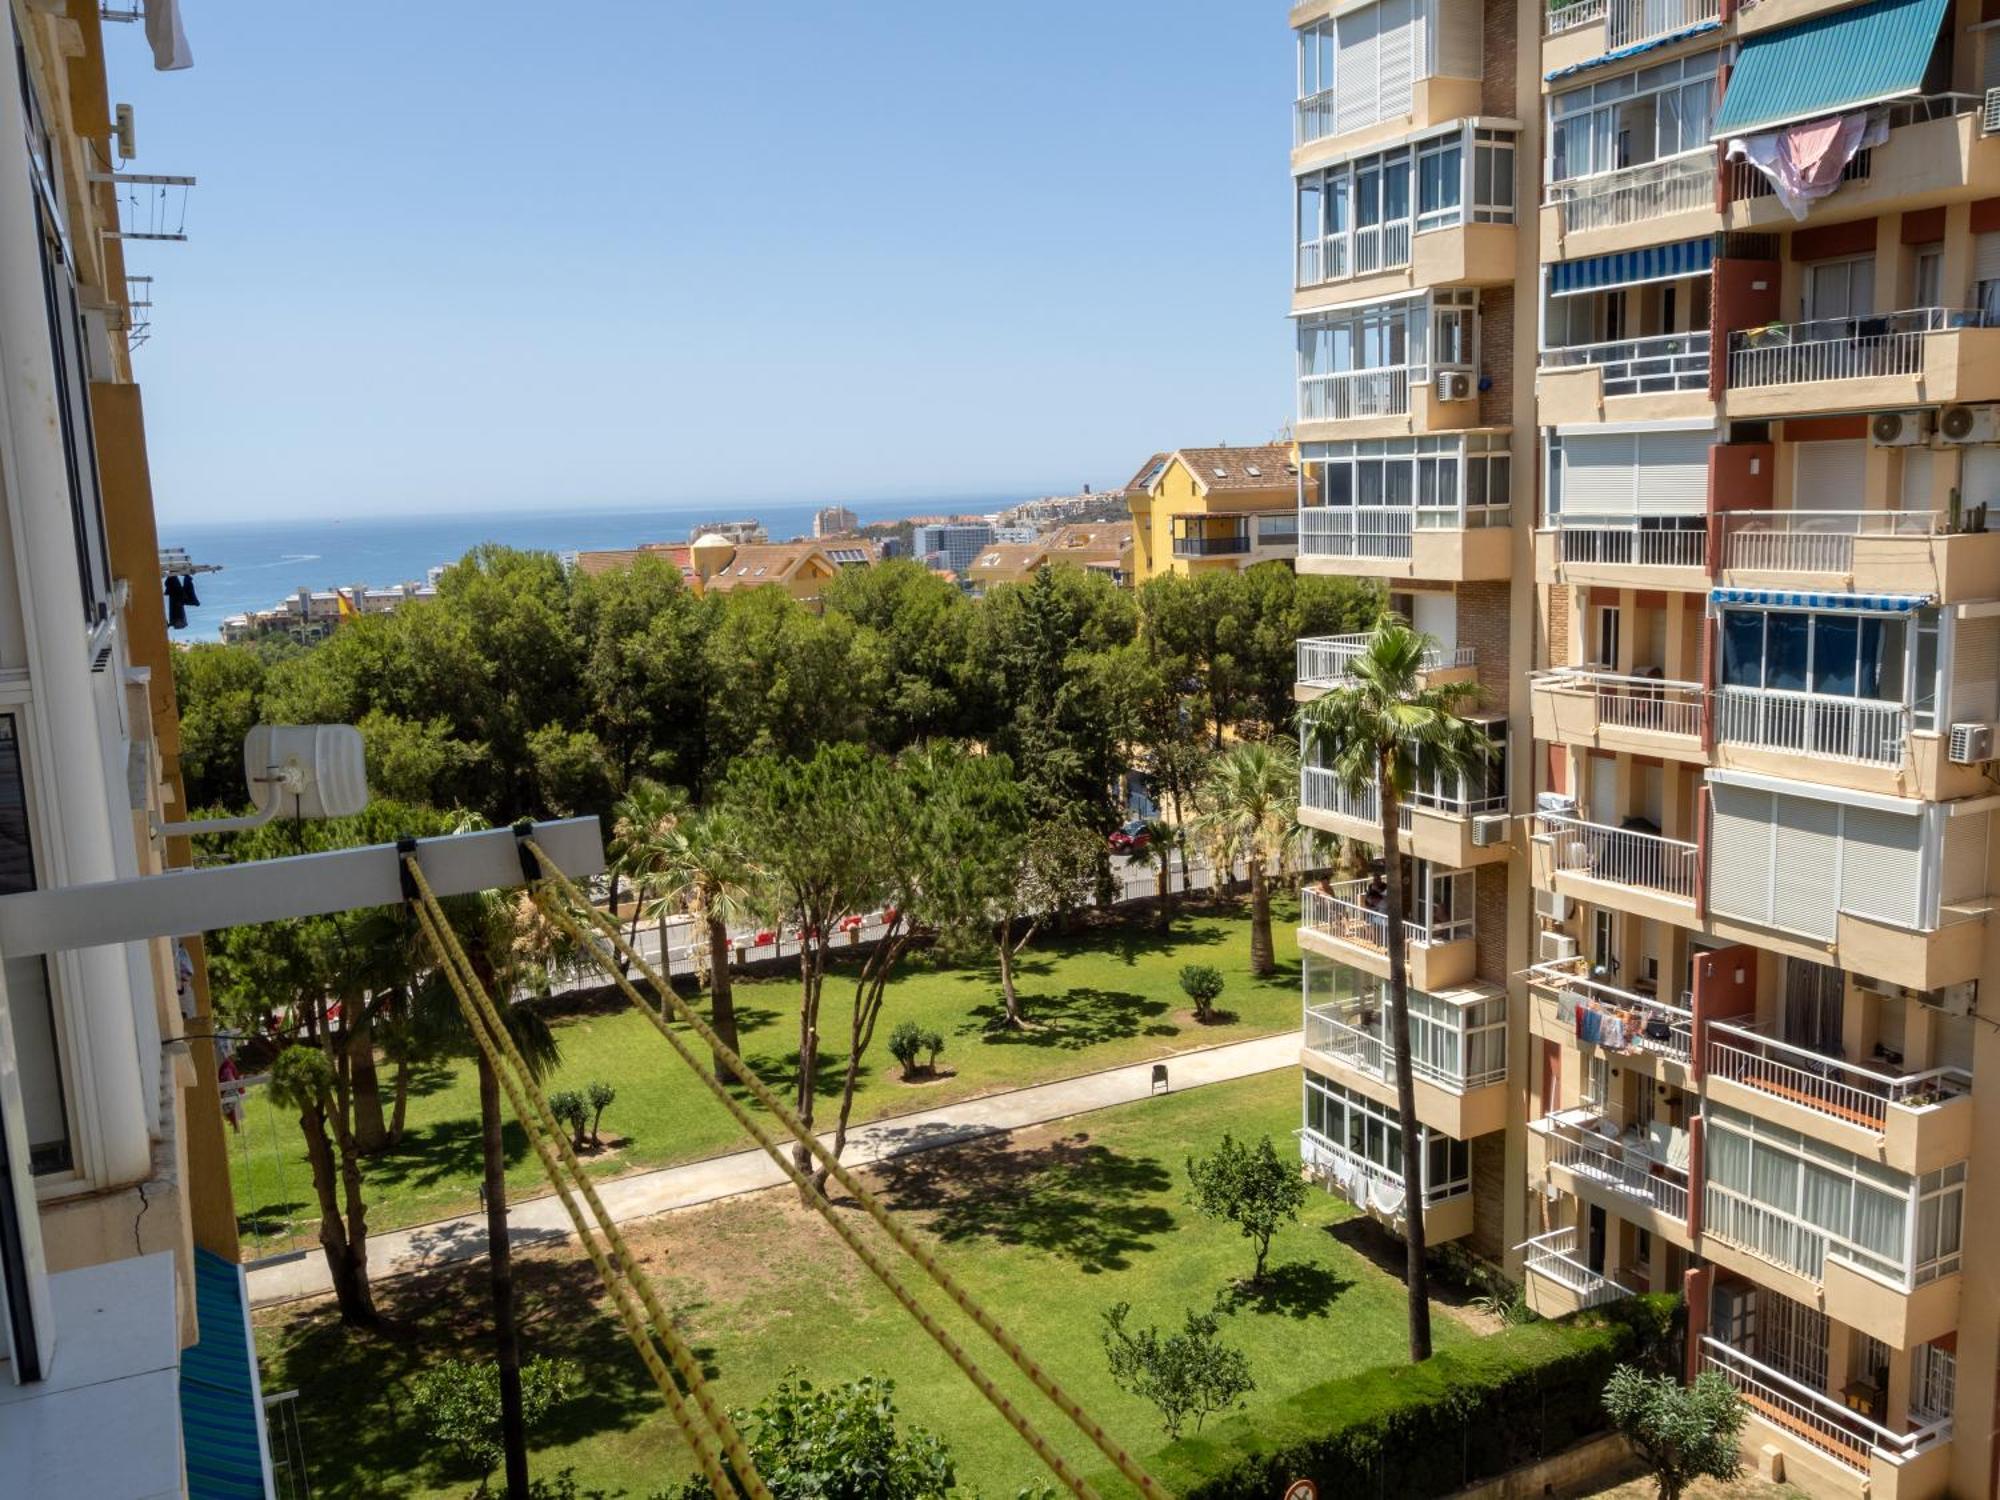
(1613, 1163)
(1636, 367)
(1746, 182)
(1840, 348)
(1989, 113)
(1856, 729)
(1553, 1255)
(1811, 541)
(1648, 703)
(1355, 531)
(287, 1446)
(1330, 1029)
(1313, 117)
(1658, 1026)
(1799, 1411)
(1627, 22)
(1365, 1183)
(1632, 195)
(1622, 856)
(1778, 1236)
(1341, 911)
(1381, 247)
(1825, 1085)
(1353, 394)
(1561, 18)
(1323, 659)
(1623, 543)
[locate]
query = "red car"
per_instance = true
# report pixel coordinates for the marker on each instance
(1133, 838)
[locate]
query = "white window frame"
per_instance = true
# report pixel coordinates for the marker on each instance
(1601, 101)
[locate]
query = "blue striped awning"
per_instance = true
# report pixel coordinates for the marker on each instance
(221, 1416)
(1652, 44)
(1600, 273)
(1830, 63)
(1874, 604)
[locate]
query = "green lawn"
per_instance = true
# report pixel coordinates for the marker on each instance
(1108, 997)
(1046, 1231)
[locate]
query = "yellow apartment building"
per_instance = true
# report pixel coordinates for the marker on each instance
(1199, 509)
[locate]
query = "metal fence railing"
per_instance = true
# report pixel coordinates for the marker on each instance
(1825, 1085)
(1632, 195)
(1639, 367)
(1323, 659)
(1658, 1026)
(288, 1449)
(1629, 702)
(1585, 1153)
(1856, 729)
(1554, 1255)
(1354, 394)
(1622, 856)
(1840, 348)
(1814, 1417)
(1811, 541)
(1628, 544)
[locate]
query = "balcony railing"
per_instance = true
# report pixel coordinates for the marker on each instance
(1853, 729)
(1826, 1085)
(1638, 367)
(1647, 703)
(1654, 1025)
(1554, 1255)
(1746, 182)
(1628, 544)
(1321, 791)
(1355, 394)
(1313, 117)
(1364, 1183)
(1212, 546)
(1341, 912)
(1813, 1417)
(1385, 532)
(1634, 194)
(1381, 247)
(1622, 856)
(1840, 348)
(1323, 659)
(1627, 22)
(1809, 541)
(1584, 1144)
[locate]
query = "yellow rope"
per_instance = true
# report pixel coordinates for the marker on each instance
(628, 1280)
(1045, 1383)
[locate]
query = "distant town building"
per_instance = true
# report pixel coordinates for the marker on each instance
(1055, 510)
(1200, 509)
(1016, 534)
(311, 615)
(835, 520)
(1105, 549)
(713, 563)
(954, 544)
(742, 533)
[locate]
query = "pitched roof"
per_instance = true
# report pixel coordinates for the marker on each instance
(1095, 536)
(1268, 467)
(1006, 562)
(594, 564)
(1147, 473)
(760, 563)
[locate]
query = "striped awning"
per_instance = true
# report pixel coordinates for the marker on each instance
(1830, 63)
(1598, 273)
(222, 1417)
(1874, 604)
(1619, 54)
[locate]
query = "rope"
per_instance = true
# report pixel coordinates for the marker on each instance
(625, 1282)
(1022, 1361)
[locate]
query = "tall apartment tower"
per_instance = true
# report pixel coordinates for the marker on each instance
(1661, 382)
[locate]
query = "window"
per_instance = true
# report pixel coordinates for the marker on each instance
(1833, 655)
(1357, 216)
(1440, 171)
(29, 994)
(1492, 177)
(1632, 119)
(1840, 288)
(1927, 276)
(1430, 473)
(1385, 336)
(1316, 55)
(1366, 1132)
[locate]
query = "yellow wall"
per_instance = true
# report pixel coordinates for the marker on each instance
(1174, 496)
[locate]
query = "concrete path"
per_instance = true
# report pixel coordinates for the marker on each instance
(539, 1221)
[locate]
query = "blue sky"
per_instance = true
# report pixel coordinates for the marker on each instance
(452, 256)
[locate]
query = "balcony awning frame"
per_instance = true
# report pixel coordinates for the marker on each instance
(1625, 268)
(1847, 603)
(1828, 64)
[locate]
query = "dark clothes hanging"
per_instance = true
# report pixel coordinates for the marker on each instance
(188, 595)
(177, 603)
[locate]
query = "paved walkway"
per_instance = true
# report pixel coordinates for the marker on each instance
(542, 1220)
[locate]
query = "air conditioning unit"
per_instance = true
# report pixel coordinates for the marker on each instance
(1489, 830)
(1554, 905)
(1955, 999)
(1555, 947)
(1454, 385)
(1971, 744)
(1989, 116)
(1970, 424)
(1899, 429)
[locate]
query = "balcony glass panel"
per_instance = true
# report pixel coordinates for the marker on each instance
(1359, 217)
(1626, 121)
(1369, 499)
(1458, 1044)
(1356, 1146)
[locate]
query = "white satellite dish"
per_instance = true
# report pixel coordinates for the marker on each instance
(294, 770)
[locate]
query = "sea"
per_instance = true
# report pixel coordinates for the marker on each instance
(264, 562)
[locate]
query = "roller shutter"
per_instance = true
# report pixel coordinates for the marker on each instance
(1805, 866)
(1829, 476)
(1673, 473)
(1739, 853)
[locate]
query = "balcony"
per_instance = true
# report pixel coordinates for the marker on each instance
(1664, 376)
(1915, 1122)
(1640, 1175)
(1558, 1282)
(1382, 1193)
(1447, 543)
(1611, 24)
(1924, 356)
(1870, 552)
(1213, 546)
(1643, 194)
(1628, 869)
(1435, 827)
(1339, 922)
(1606, 711)
(1622, 552)
(1573, 1008)
(1823, 728)
(1359, 395)
(1313, 118)
(1323, 662)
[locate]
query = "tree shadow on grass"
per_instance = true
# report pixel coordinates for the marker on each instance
(425, 1078)
(1297, 1289)
(781, 1074)
(1389, 1254)
(448, 1151)
(1082, 1202)
(1072, 1020)
(362, 1438)
(267, 1221)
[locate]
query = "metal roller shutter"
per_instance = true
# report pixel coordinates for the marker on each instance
(1357, 68)
(1600, 475)
(1739, 853)
(1829, 476)
(1881, 865)
(1673, 473)
(1805, 866)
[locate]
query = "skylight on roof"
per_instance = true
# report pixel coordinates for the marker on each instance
(1221, 473)
(1253, 471)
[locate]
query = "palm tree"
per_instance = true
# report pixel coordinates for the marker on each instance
(1377, 730)
(1252, 791)
(1161, 837)
(704, 868)
(641, 822)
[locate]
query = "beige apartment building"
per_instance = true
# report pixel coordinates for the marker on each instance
(1649, 351)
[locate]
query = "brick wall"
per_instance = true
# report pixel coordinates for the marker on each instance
(1489, 1197)
(1489, 922)
(1482, 625)
(1496, 356)
(1499, 49)
(1558, 654)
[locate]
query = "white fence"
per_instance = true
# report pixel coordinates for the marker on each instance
(1355, 531)
(1635, 194)
(1809, 541)
(1354, 394)
(1663, 1028)
(288, 1449)
(1799, 1411)
(1637, 367)
(1827, 1085)
(1584, 1153)
(1855, 729)
(1554, 1255)
(1626, 702)
(1630, 21)
(1628, 544)
(1323, 659)
(1839, 348)
(1313, 117)
(1622, 856)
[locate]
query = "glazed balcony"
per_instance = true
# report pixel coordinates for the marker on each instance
(1866, 551)
(1458, 1048)
(1559, 1282)
(1815, 1429)
(1625, 1171)
(1627, 869)
(1663, 376)
(1915, 1121)
(1922, 356)
(1341, 923)
(1323, 663)
(1611, 201)
(1608, 711)
(1622, 552)
(1654, 1036)
(1383, 1194)
(1360, 395)
(1447, 543)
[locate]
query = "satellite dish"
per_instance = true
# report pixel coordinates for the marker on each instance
(296, 771)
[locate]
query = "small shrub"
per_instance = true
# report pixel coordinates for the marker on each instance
(933, 1049)
(1187, 1374)
(1202, 983)
(1510, 1308)
(1250, 1187)
(600, 1095)
(1683, 1433)
(906, 1044)
(458, 1401)
(568, 1106)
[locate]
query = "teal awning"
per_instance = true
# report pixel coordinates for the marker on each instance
(222, 1418)
(1830, 63)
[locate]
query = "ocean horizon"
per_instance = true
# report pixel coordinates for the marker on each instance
(264, 562)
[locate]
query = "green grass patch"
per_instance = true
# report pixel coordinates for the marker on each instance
(1047, 1231)
(1107, 997)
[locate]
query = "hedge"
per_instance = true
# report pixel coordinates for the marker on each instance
(1468, 1414)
